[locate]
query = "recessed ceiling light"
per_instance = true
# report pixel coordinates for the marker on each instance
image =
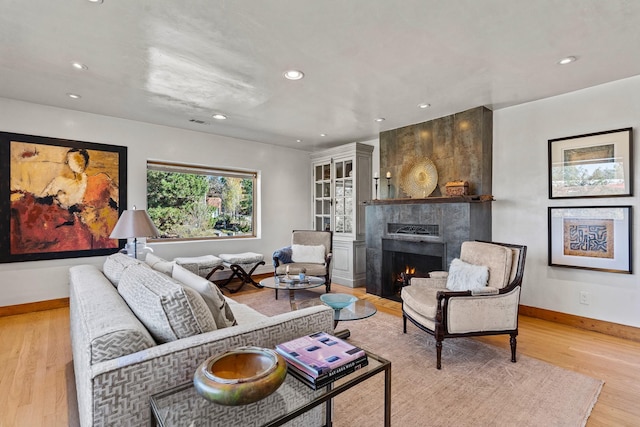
(79, 66)
(380, 119)
(74, 95)
(298, 140)
(323, 134)
(219, 117)
(567, 60)
(293, 74)
(95, 1)
(424, 105)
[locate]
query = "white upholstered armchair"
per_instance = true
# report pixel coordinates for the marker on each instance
(309, 250)
(478, 296)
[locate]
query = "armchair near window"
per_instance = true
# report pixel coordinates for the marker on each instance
(478, 296)
(305, 252)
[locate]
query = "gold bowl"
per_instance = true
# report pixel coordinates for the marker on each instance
(241, 376)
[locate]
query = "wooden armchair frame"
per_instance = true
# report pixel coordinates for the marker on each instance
(441, 329)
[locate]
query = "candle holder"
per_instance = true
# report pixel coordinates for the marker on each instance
(376, 178)
(388, 187)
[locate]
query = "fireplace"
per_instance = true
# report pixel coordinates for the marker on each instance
(403, 259)
(425, 234)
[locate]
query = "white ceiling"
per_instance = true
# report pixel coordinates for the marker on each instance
(169, 61)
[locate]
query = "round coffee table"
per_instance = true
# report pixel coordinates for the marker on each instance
(291, 284)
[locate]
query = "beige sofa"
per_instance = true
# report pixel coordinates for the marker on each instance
(119, 363)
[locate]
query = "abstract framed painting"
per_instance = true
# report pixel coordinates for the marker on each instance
(593, 165)
(59, 198)
(593, 237)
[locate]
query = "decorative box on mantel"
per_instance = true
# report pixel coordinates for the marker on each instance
(457, 188)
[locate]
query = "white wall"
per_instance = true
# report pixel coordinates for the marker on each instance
(520, 186)
(375, 165)
(285, 186)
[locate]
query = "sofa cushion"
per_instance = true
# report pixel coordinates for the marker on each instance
(308, 253)
(159, 264)
(109, 327)
(464, 276)
(168, 310)
(244, 314)
(115, 265)
(210, 293)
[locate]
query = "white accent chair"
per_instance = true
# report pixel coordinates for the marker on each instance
(283, 261)
(487, 310)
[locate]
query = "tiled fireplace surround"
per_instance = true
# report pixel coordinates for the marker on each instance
(430, 230)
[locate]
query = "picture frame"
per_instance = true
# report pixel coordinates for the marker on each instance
(592, 165)
(59, 198)
(591, 237)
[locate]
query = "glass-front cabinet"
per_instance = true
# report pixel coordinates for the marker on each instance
(322, 197)
(342, 181)
(343, 191)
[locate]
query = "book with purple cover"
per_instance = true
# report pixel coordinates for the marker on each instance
(319, 353)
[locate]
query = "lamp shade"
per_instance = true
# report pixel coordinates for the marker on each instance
(134, 223)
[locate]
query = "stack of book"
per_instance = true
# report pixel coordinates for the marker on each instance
(319, 359)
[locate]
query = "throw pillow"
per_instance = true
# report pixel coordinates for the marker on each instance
(308, 253)
(464, 276)
(159, 264)
(115, 265)
(167, 309)
(210, 293)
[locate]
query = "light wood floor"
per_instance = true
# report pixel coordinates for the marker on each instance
(35, 354)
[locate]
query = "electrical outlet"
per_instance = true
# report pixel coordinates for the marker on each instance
(585, 298)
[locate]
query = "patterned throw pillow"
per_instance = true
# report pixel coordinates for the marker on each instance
(115, 265)
(167, 309)
(465, 277)
(216, 302)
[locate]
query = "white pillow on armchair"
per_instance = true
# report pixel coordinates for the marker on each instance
(465, 277)
(308, 253)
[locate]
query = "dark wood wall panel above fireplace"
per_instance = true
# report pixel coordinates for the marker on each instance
(449, 224)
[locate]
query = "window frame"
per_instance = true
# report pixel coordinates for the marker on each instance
(164, 166)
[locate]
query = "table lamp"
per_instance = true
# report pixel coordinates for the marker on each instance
(133, 224)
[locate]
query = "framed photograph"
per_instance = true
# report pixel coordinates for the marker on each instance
(59, 198)
(594, 238)
(592, 165)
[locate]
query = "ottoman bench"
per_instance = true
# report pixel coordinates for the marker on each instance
(242, 266)
(203, 266)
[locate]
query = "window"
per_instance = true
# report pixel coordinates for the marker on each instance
(194, 202)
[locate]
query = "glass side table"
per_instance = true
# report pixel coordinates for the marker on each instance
(358, 310)
(183, 406)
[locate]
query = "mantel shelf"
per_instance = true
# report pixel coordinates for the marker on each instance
(455, 199)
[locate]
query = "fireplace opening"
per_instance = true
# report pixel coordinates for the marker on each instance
(403, 259)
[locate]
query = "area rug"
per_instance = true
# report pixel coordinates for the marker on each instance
(477, 385)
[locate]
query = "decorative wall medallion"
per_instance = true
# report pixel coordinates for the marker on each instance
(419, 178)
